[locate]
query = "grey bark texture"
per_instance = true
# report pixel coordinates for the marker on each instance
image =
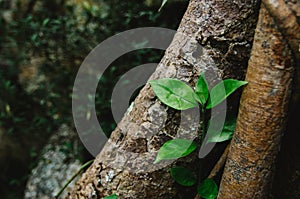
(55, 166)
(224, 30)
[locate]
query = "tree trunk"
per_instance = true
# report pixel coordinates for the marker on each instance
(262, 115)
(225, 31)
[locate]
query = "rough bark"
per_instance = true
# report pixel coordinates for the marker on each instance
(286, 15)
(286, 21)
(225, 30)
(262, 115)
(54, 167)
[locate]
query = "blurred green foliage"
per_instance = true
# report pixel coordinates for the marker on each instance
(62, 33)
(43, 43)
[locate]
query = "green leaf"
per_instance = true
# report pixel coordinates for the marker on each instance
(222, 90)
(45, 22)
(162, 5)
(226, 133)
(201, 90)
(174, 93)
(223, 136)
(174, 149)
(113, 196)
(86, 5)
(183, 176)
(208, 189)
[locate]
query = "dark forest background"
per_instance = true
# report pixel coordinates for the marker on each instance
(42, 44)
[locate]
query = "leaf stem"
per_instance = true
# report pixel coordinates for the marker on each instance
(73, 177)
(220, 163)
(202, 138)
(217, 166)
(203, 124)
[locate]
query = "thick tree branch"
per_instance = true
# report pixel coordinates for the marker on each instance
(225, 29)
(262, 115)
(286, 22)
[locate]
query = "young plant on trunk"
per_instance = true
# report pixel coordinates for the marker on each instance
(176, 94)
